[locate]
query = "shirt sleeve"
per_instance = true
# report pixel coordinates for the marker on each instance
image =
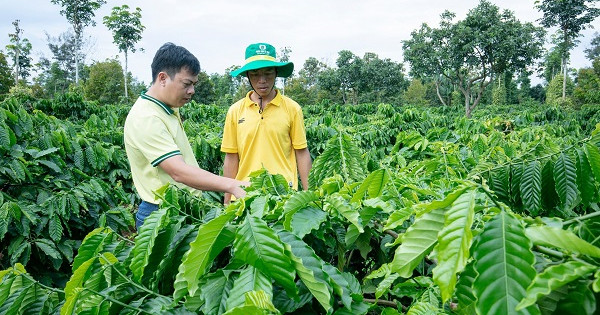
(229, 143)
(153, 139)
(297, 131)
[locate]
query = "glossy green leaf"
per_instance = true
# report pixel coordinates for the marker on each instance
(258, 245)
(297, 201)
(78, 278)
(565, 176)
(464, 289)
(531, 187)
(144, 242)
(196, 260)
(306, 220)
(563, 239)
(345, 209)
(417, 242)
(215, 291)
(554, 277)
(250, 279)
(585, 179)
(504, 262)
(454, 242)
(373, 185)
(309, 267)
(593, 154)
(92, 244)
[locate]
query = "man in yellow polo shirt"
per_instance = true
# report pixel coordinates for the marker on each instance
(157, 147)
(265, 129)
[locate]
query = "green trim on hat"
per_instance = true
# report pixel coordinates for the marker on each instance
(262, 55)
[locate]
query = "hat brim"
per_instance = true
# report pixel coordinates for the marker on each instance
(284, 69)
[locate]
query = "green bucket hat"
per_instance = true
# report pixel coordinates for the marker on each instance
(262, 55)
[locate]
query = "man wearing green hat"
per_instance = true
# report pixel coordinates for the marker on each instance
(265, 129)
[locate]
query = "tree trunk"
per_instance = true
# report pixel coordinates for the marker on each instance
(467, 103)
(125, 76)
(564, 89)
(437, 90)
(76, 58)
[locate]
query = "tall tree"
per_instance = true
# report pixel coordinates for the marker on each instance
(593, 52)
(127, 30)
(5, 81)
(19, 51)
(471, 52)
(284, 56)
(79, 14)
(571, 17)
(58, 71)
(105, 82)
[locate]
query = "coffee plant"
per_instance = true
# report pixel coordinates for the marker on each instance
(410, 210)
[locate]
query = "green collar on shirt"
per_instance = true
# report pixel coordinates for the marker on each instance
(164, 106)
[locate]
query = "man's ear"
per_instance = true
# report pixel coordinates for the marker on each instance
(161, 78)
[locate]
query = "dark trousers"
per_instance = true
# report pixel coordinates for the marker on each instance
(143, 212)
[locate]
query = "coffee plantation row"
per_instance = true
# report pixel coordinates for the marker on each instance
(414, 210)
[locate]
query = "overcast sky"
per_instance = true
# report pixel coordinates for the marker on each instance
(217, 32)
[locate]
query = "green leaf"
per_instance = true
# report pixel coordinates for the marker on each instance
(373, 184)
(464, 289)
(55, 227)
(306, 220)
(202, 251)
(297, 201)
(565, 176)
(92, 244)
(504, 262)
(593, 155)
(341, 286)
(454, 242)
(417, 242)
(48, 247)
(250, 279)
(531, 187)
(585, 179)
(385, 284)
(554, 277)
(260, 299)
(349, 212)
(70, 302)
(258, 245)
(397, 218)
(563, 239)
(549, 197)
(80, 275)
(215, 291)
(441, 204)
(309, 267)
(144, 242)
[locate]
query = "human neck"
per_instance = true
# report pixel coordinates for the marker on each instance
(255, 97)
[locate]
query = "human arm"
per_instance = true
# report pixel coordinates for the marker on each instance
(230, 169)
(198, 178)
(304, 165)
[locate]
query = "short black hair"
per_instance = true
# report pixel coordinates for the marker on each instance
(171, 58)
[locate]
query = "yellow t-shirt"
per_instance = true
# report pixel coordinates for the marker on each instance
(153, 132)
(266, 139)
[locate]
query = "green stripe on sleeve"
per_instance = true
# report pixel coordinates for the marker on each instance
(164, 157)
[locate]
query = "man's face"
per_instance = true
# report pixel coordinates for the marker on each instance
(262, 80)
(180, 88)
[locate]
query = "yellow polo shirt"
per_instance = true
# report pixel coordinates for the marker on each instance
(266, 139)
(153, 133)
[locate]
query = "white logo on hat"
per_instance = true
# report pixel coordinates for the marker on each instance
(262, 47)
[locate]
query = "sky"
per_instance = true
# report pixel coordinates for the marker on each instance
(217, 32)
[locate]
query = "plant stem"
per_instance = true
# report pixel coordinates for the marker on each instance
(582, 218)
(549, 252)
(382, 302)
